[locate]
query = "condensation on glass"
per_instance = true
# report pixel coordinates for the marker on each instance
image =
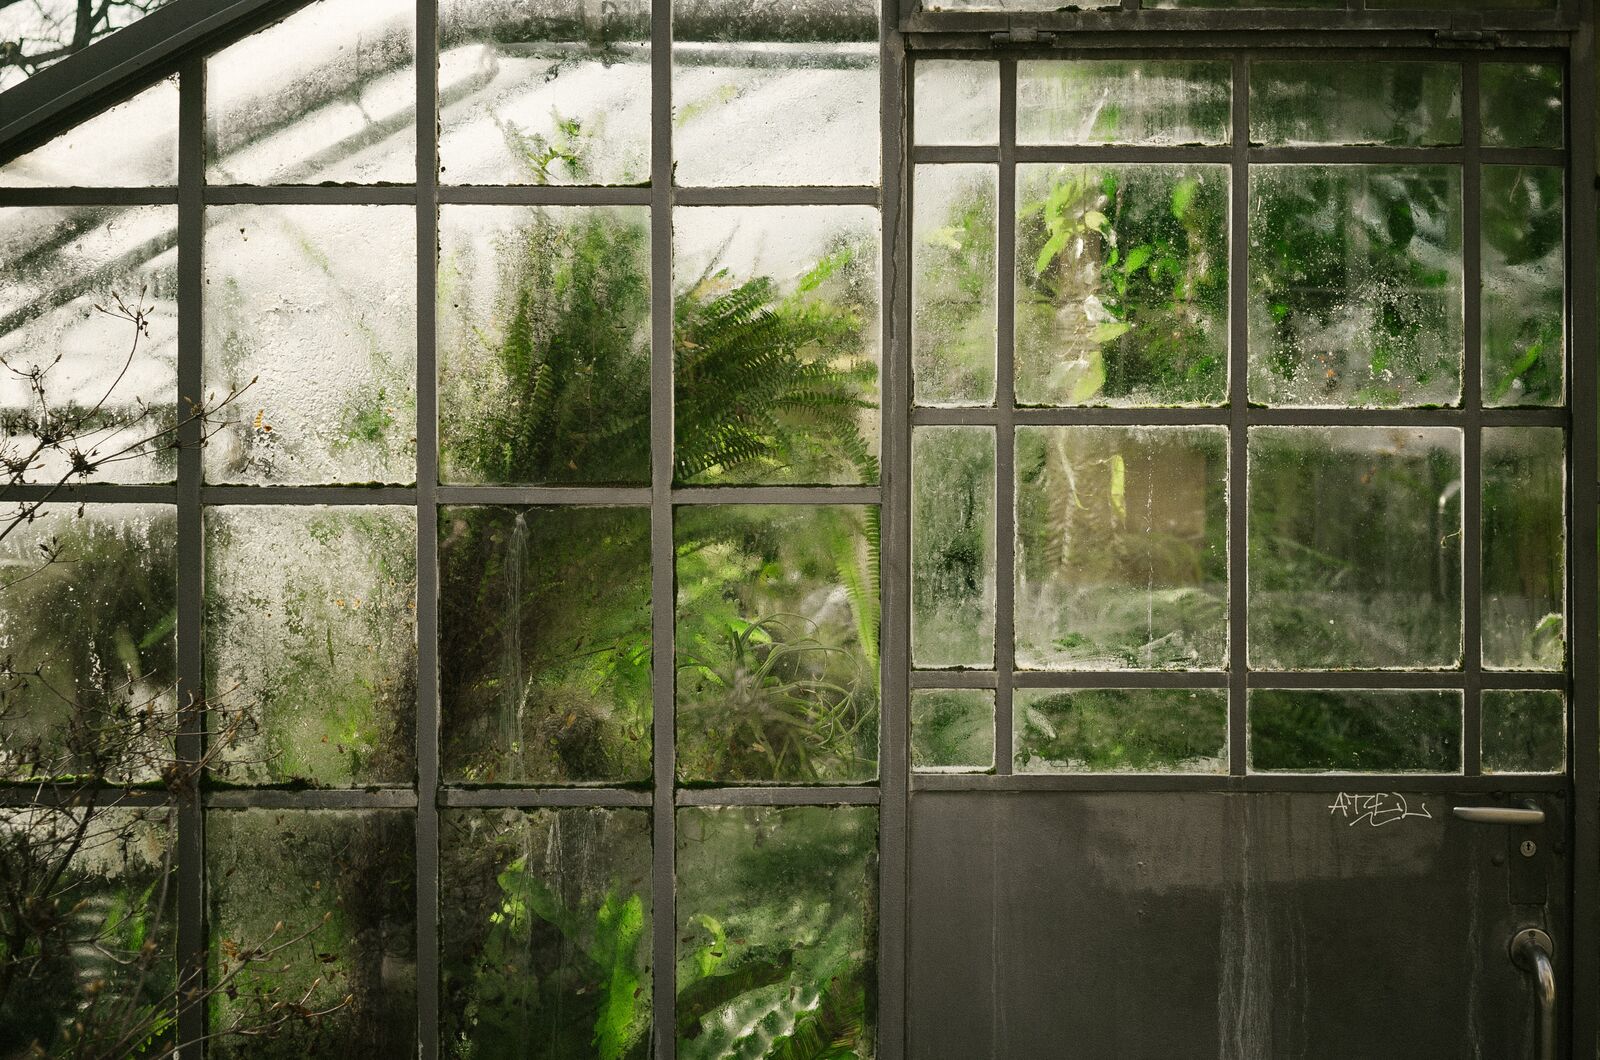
(1121, 730)
(1521, 104)
(1524, 548)
(1411, 104)
(952, 547)
(958, 102)
(1524, 731)
(954, 292)
(1524, 285)
(952, 730)
(1145, 102)
(133, 144)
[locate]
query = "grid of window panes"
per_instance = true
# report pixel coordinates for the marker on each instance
(1239, 438)
(530, 586)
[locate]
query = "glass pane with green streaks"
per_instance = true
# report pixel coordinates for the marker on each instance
(952, 546)
(1160, 103)
(1121, 730)
(1355, 731)
(952, 730)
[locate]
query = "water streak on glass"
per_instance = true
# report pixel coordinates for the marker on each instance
(958, 102)
(1524, 731)
(1155, 103)
(954, 285)
(1521, 104)
(1397, 104)
(1524, 285)
(1524, 548)
(952, 547)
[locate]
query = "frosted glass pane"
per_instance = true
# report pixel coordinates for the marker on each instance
(952, 730)
(545, 953)
(1524, 285)
(111, 385)
(776, 928)
(544, 344)
(1355, 731)
(1122, 285)
(1524, 731)
(1121, 548)
(544, 644)
(777, 645)
(957, 102)
(952, 546)
(311, 642)
(1355, 547)
(954, 285)
(766, 94)
(1399, 104)
(89, 609)
(777, 338)
(131, 145)
(544, 92)
(1524, 548)
(312, 308)
(344, 879)
(327, 95)
(1521, 104)
(1116, 730)
(1355, 285)
(1122, 102)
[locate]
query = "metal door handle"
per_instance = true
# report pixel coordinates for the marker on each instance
(1530, 951)
(1530, 814)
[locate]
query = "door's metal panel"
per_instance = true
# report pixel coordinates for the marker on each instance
(1250, 926)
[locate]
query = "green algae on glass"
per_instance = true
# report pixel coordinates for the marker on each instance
(952, 730)
(952, 547)
(1355, 731)
(1121, 730)
(1524, 731)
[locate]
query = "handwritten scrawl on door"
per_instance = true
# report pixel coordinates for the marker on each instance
(1375, 809)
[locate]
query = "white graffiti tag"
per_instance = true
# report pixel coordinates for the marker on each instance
(1376, 809)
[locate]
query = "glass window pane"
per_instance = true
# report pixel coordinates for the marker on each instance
(1524, 731)
(335, 892)
(1355, 547)
(1355, 731)
(952, 547)
(777, 643)
(87, 631)
(1524, 285)
(1248, 4)
(545, 951)
(777, 925)
(1122, 102)
(131, 145)
(312, 309)
(1463, 5)
(1398, 104)
(311, 642)
(1122, 285)
(1521, 105)
(954, 293)
(544, 92)
(958, 102)
(952, 730)
(1122, 548)
(327, 95)
(1121, 730)
(544, 644)
(76, 283)
(1524, 548)
(544, 344)
(1355, 285)
(794, 86)
(776, 335)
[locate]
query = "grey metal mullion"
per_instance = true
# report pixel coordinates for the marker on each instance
(953, 679)
(243, 495)
(1433, 783)
(14, 794)
(866, 795)
(850, 195)
(313, 799)
(427, 708)
(1005, 392)
(1472, 436)
(542, 195)
(1119, 153)
(1357, 155)
(311, 195)
(88, 196)
(92, 493)
(1519, 156)
(923, 154)
(191, 741)
(489, 798)
(778, 495)
(1522, 679)
(1239, 412)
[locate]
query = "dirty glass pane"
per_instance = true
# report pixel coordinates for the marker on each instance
(1121, 730)
(1520, 104)
(1524, 548)
(1122, 548)
(84, 976)
(1398, 104)
(312, 309)
(776, 335)
(777, 643)
(1355, 547)
(1355, 731)
(952, 547)
(777, 927)
(131, 145)
(1355, 285)
(1524, 731)
(768, 94)
(44, 32)
(1009, 6)
(545, 949)
(1463, 5)
(544, 344)
(86, 633)
(952, 730)
(953, 285)
(311, 643)
(105, 383)
(957, 102)
(544, 644)
(544, 92)
(1247, 4)
(327, 95)
(333, 894)
(1122, 101)
(1524, 285)
(1122, 285)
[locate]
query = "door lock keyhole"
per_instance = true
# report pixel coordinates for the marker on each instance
(1529, 848)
